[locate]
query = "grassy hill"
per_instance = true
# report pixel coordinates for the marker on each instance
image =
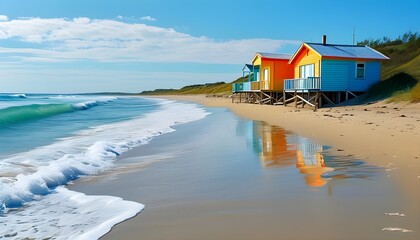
(219, 88)
(400, 75)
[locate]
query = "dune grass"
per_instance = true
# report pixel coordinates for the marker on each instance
(218, 88)
(411, 67)
(399, 87)
(409, 95)
(401, 73)
(411, 80)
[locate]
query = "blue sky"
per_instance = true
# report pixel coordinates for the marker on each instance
(63, 46)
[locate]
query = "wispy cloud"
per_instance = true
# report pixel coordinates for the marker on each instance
(148, 18)
(62, 39)
(4, 18)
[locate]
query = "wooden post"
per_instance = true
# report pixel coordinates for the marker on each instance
(320, 99)
(284, 98)
(316, 101)
(295, 96)
(303, 102)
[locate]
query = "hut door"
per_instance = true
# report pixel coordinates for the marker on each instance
(266, 78)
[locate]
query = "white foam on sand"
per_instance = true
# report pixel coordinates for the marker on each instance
(394, 229)
(66, 214)
(88, 152)
(395, 214)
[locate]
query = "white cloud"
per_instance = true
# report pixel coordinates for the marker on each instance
(4, 18)
(61, 39)
(148, 18)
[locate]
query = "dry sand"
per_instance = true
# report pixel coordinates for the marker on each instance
(386, 134)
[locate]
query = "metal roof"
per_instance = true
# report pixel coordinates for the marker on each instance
(274, 55)
(249, 66)
(346, 51)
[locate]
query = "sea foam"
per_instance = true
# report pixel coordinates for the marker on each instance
(66, 214)
(34, 176)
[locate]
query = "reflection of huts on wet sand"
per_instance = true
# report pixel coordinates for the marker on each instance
(278, 148)
(310, 161)
(275, 150)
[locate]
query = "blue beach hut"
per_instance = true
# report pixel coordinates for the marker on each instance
(334, 69)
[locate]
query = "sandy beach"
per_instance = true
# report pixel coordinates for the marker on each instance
(201, 189)
(387, 134)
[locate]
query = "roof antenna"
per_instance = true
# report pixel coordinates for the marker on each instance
(354, 35)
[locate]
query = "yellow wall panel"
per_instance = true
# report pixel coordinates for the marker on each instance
(307, 56)
(257, 60)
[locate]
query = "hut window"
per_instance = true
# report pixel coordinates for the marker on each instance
(266, 74)
(306, 71)
(360, 70)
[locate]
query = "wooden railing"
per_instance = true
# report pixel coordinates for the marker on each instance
(309, 83)
(245, 86)
(255, 85)
(237, 87)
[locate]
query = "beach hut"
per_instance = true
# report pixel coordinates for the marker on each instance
(264, 78)
(331, 71)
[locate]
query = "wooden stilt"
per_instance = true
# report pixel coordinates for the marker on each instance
(328, 100)
(320, 99)
(354, 95)
(303, 97)
(316, 101)
(284, 98)
(303, 100)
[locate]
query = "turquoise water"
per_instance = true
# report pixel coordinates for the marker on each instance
(48, 141)
(48, 117)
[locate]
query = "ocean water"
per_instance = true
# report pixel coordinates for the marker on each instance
(49, 141)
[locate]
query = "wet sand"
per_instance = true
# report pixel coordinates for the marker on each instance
(227, 178)
(386, 134)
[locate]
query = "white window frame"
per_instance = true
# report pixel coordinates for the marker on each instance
(364, 70)
(304, 70)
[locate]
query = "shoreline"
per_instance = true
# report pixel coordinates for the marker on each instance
(385, 134)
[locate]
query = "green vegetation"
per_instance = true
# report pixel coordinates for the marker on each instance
(401, 73)
(218, 89)
(394, 86)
